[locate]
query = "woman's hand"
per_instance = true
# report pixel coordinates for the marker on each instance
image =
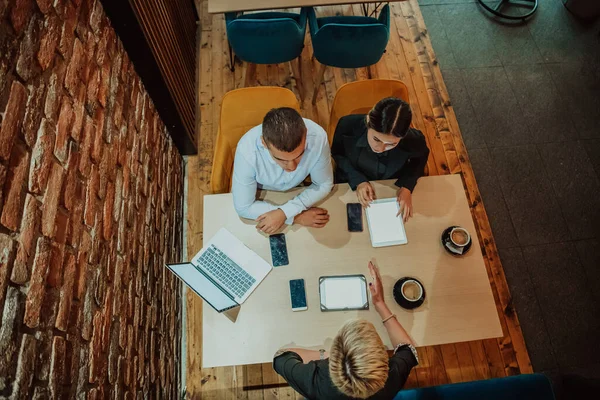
(376, 287)
(404, 198)
(365, 193)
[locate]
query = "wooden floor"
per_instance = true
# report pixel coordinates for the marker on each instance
(409, 58)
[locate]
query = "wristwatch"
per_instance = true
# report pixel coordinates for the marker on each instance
(322, 354)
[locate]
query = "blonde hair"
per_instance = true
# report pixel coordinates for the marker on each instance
(358, 360)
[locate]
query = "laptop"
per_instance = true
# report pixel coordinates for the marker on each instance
(224, 273)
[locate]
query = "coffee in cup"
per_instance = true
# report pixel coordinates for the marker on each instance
(460, 237)
(412, 290)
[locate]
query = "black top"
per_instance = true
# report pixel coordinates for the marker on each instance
(356, 162)
(312, 380)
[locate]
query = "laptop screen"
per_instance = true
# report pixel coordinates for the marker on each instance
(203, 287)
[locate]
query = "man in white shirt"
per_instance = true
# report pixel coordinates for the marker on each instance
(278, 155)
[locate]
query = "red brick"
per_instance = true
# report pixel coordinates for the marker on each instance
(53, 95)
(6, 259)
(27, 65)
(87, 313)
(97, 143)
(83, 274)
(2, 179)
(93, 86)
(73, 76)
(15, 187)
(96, 16)
(68, 195)
(89, 61)
(96, 357)
(49, 40)
(63, 129)
(82, 369)
(108, 211)
(107, 318)
(13, 118)
(44, 5)
(103, 170)
(88, 135)
(66, 293)
(29, 227)
(9, 329)
(122, 153)
(36, 291)
(57, 367)
(99, 287)
(90, 197)
(97, 243)
(25, 367)
(75, 220)
(51, 198)
(78, 113)
(54, 277)
(34, 112)
(69, 16)
(104, 81)
(61, 227)
(41, 158)
(113, 356)
(20, 15)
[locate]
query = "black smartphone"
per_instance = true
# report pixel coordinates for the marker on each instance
(279, 253)
(355, 222)
(298, 295)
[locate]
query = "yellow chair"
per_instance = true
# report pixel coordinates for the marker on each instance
(360, 96)
(241, 110)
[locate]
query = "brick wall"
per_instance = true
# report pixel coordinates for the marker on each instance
(90, 210)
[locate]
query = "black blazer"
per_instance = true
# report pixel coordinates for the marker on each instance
(405, 162)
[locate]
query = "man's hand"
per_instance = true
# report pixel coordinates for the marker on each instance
(405, 201)
(365, 193)
(314, 216)
(271, 221)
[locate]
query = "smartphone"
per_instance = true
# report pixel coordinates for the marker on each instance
(298, 295)
(279, 253)
(355, 222)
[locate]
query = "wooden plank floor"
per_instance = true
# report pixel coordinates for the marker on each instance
(409, 58)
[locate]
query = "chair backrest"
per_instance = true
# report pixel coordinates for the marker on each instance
(360, 96)
(350, 41)
(518, 387)
(241, 110)
(268, 37)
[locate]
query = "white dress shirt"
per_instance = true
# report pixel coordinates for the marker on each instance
(254, 167)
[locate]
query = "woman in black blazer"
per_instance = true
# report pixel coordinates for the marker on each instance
(380, 145)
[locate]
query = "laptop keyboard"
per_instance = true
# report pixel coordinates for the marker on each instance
(229, 274)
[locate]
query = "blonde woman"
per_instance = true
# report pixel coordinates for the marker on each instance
(357, 365)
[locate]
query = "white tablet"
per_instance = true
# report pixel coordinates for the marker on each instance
(345, 292)
(385, 226)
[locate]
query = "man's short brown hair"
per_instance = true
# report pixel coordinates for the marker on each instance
(284, 129)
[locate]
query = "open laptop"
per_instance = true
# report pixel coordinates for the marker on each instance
(224, 273)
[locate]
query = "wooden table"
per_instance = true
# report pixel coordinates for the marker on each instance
(223, 6)
(459, 304)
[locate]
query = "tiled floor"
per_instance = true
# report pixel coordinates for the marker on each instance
(527, 98)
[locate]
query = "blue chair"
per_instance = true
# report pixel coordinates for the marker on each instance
(348, 41)
(267, 38)
(518, 387)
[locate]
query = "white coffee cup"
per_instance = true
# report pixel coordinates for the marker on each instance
(460, 237)
(406, 285)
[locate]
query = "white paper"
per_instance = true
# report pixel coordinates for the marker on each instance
(344, 293)
(385, 227)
